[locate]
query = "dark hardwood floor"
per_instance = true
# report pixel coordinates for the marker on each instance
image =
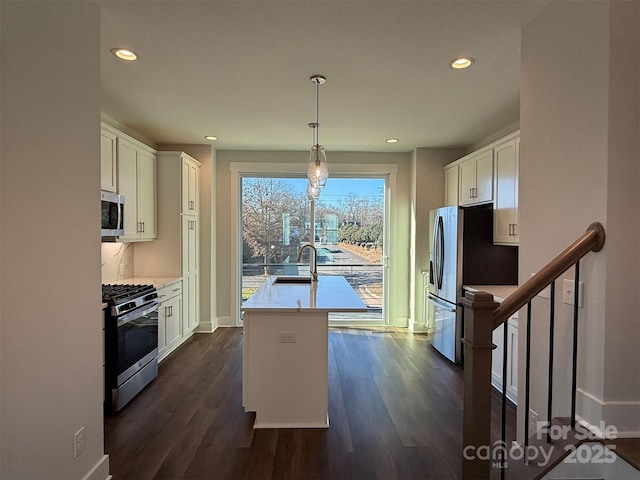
(395, 410)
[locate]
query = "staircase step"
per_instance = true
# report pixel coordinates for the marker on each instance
(542, 456)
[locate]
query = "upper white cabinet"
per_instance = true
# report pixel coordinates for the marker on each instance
(489, 175)
(137, 182)
(128, 167)
(505, 203)
(108, 165)
(476, 178)
(451, 185)
(190, 169)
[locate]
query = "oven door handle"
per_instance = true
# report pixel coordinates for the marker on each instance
(140, 312)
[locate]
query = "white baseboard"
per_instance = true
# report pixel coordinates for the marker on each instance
(399, 322)
(226, 322)
(417, 327)
(100, 470)
(600, 416)
(206, 327)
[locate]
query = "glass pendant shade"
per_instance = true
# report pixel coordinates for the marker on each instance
(317, 172)
(313, 193)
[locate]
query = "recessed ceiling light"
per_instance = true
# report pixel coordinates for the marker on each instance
(461, 62)
(124, 54)
(392, 140)
(213, 138)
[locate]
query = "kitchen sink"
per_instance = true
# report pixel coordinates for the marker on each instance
(292, 280)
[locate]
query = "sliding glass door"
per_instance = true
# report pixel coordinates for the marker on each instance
(346, 224)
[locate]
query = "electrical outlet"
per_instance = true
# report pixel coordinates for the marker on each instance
(121, 270)
(533, 422)
(79, 442)
(287, 337)
(568, 292)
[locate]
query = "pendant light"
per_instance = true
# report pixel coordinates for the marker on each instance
(317, 172)
(313, 191)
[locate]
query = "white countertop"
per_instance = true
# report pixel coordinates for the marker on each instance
(157, 282)
(329, 294)
(499, 292)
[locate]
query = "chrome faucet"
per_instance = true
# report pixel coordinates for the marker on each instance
(313, 265)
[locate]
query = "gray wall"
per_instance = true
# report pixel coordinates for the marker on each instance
(579, 164)
(50, 315)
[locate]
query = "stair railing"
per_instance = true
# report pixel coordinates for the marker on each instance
(481, 316)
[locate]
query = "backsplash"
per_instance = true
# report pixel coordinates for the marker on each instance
(117, 261)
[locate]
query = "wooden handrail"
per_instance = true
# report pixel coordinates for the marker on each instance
(590, 241)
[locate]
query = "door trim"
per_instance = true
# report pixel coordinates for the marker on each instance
(240, 169)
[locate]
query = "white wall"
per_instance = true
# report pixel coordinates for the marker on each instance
(622, 327)
(427, 193)
(570, 169)
(400, 229)
(50, 315)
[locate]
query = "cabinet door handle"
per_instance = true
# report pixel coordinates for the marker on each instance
(514, 229)
(142, 227)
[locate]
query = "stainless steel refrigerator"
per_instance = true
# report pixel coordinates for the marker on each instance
(461, 252)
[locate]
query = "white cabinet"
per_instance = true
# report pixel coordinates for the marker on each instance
(176, 253)
(190, 243)
(108, 165)
(451, 185)
(512, 358)
(489, 175)
(190, 250)
(169, 318)
(190, 190)
(137, 182)
(476, 178)
(505, 203)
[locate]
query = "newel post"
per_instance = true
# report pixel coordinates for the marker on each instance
(478, 345)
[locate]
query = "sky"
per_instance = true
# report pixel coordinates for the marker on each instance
(338, 188)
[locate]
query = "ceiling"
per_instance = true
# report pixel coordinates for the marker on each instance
(240, 70)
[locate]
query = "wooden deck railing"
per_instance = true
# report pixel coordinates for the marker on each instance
(481, 316)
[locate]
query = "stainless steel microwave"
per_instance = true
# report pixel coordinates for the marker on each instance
(112, 215)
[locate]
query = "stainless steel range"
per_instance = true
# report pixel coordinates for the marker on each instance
(131, 341)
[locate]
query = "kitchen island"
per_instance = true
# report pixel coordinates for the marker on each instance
(285, 349)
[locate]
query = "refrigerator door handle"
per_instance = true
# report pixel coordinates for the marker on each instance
(440, 304)
(439, 252)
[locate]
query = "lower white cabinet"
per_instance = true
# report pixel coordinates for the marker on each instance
(169, 318)
(512, 358)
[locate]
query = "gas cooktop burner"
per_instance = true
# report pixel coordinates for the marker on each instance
(116, 294)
